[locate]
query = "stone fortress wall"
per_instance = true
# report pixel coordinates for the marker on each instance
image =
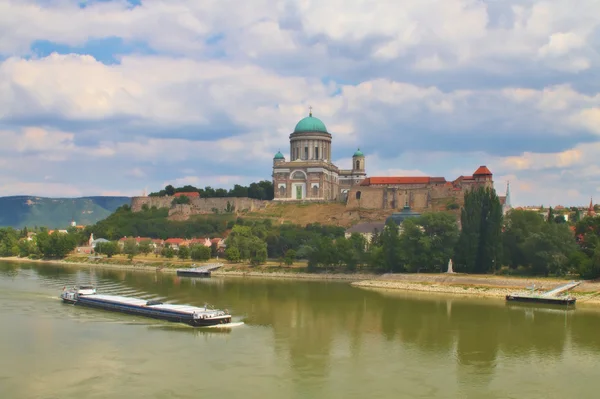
(198, 206)
(418, 198)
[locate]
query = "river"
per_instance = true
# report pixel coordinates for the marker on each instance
(299, 339)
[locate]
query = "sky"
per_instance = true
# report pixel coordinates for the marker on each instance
(121, 97)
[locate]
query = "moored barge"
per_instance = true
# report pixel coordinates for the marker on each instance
(201, 271)
(554, 296)
(191, 315)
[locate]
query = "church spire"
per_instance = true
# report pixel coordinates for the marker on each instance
(591, 210)
(507, 200)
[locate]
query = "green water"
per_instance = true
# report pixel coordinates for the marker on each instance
(297, 340)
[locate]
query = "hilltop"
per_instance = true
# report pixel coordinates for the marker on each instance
(25, 210)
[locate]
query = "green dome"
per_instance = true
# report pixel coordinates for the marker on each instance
(358, 153)
(279, 155)
(310, 124)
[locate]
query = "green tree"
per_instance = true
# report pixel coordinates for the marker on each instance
(232, 254)
(549, 251)
(168, 252)
(145, 247)
(391, 247)
(9, 239)
(183, 252)
(27, 248)
(551, 216)
(479, 244)
(427, 242)
(181, 200)
(519, 225)
(107, 248)
(170, 190)
(130, 248)
(200, 253)
(290, 257)
(55, 245)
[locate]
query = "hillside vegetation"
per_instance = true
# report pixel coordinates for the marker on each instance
(332, 214)
(30, 211)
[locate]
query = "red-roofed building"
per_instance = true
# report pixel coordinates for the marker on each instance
(421, 193)
(199, 241)
(193, 194)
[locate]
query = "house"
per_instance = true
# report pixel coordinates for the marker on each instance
(59, 231)
(199, 241)
(367, 230)
(98, 241)
(175, 243)
(219, 243)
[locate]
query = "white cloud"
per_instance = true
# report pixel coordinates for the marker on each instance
(402, 80)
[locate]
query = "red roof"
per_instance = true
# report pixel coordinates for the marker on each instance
(175, 241)
(194, 194)
(369, 181)
(482, 171)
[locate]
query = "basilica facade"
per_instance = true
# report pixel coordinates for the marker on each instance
(309, 174)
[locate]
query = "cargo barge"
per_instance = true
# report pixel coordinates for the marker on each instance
(191, 315)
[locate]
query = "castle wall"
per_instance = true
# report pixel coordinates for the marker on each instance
(420, 197)
(198, 205)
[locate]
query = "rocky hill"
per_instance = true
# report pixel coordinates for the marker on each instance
(30, 211)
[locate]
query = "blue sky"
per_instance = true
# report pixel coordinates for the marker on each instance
(118, 97)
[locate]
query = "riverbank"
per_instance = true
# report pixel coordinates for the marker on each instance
(478, 286)
(454, 284)
(228, 270)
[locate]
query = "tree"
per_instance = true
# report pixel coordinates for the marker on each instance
(145, 247)
(479, 245)
(549, 250)
(107, 248)
(550, 218)
(55, 245)
(391, 247)
(232, 254)
(9, 239)
(200, 252)
(427, 242)
(290, 257)
(168, 252)
(183, 252)
(170, 190)
(181, 200)
(130, 248)
(518, 226)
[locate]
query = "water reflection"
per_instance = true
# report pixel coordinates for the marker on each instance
(316, 329)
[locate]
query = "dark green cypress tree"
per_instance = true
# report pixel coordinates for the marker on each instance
(479, 244)
(550, 215)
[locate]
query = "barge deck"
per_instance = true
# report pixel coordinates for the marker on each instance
(553, 296)
(200, 271)
(191, 315)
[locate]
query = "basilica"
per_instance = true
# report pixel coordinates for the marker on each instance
(309, 174)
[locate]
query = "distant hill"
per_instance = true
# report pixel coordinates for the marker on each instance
(21, 211)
